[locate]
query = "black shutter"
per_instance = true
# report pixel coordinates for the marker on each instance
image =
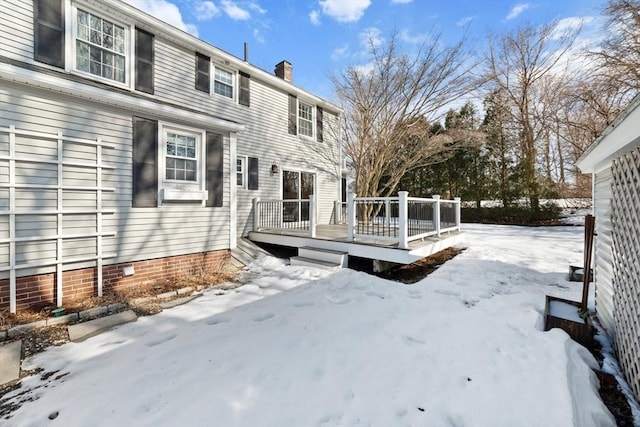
(145, 163)
(244, 94)
(252, 181)
(293, 115)
(215, 170)
(144, 61)
(49, 32)
(203, 70)
(319, 127)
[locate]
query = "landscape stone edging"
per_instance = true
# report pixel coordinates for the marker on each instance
(85, 314)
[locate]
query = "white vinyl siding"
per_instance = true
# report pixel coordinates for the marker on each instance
(266, 138)
(140, 233)
(17, 29)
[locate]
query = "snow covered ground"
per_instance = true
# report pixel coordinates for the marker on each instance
(303, 347)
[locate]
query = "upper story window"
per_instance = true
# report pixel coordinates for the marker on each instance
(101, 47)
(305, 119)
(95, 45)
(223, 83)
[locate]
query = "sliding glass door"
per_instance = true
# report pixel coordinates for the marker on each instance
(297, 187)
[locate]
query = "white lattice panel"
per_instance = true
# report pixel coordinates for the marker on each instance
(625, 219)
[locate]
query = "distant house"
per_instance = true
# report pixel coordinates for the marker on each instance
(125, 142)
(614, 161)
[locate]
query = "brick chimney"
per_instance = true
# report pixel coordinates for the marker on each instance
(284, 70)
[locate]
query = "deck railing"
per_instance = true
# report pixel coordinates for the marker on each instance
(401, 219)
(289, 214)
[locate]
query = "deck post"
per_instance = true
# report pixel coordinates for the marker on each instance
(436, 213)
(351, 215)
(403, 220)
(337, 212)
(458, 217)
(256, 214)
(313, 215)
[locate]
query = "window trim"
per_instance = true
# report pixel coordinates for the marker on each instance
(71, 30)
(311, 121)
(178, 190)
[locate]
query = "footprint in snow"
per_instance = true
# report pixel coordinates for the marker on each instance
(263, 317)
(338, 300)
(217, 320)
(415, 294)
(303, 304)
(161, 340)
(447, 292)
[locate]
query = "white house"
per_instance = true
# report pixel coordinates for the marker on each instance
(125, 142)
(614, 161)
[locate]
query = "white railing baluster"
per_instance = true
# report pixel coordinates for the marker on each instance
(351, 215)
(457, 201)
(436, 213)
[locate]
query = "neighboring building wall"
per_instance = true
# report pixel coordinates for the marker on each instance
(625, 221)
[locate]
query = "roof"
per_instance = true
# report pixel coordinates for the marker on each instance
(619, 137)
(187, 40)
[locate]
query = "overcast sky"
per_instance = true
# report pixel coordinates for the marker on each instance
(321, 37)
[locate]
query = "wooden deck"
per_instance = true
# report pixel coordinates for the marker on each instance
(335, 237)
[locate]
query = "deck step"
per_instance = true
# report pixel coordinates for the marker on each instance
(327, 255)
(245, 252)
(310, 262)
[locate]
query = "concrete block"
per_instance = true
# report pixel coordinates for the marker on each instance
(93, 312)
(82, 331)
(166, 295)
(62, 319)
(10, 361)
(116, 307)
(23, 329)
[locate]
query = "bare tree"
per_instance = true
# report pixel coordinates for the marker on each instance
(388, 105)
(619, 53)
(517, 64)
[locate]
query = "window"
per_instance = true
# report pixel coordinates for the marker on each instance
(305, 119)
(240, 171)
(101, 47)
(223, 83)
(181, 161)
(176, 164)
